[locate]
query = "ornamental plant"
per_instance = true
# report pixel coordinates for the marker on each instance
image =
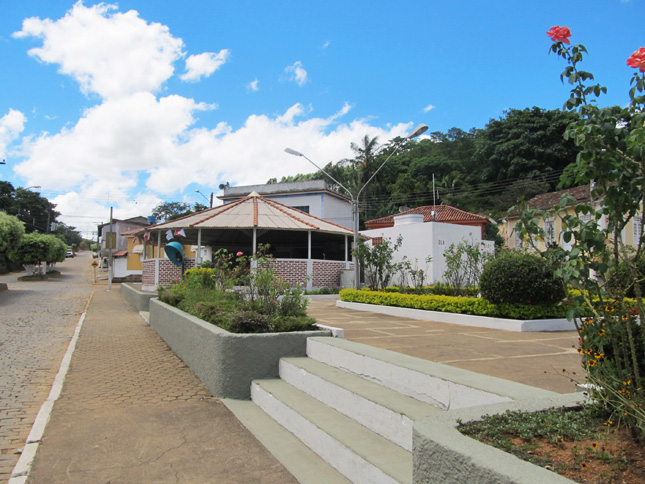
(377, 263)
(612, 160)
(464, 265)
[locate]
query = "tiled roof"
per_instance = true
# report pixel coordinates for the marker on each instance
(545, 201)
(444, 213)
(120, 254)
(254, 211)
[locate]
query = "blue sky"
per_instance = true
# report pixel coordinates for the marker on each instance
(132, 103)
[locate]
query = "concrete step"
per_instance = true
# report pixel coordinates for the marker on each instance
(303, 463)
(382, 410)
(442, 386)
(358, 453)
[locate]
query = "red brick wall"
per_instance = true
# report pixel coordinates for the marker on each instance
(148, 274)
(292, 271)
(327, 273)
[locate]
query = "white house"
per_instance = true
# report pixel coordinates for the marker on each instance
(313, 197)
(427, 239)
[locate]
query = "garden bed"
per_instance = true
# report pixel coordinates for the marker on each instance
(455, 310)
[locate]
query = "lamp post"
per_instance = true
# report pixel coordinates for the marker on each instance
(211, 199)
(422, 128)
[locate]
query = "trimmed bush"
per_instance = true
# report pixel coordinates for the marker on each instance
(455, 304)
(520, 279)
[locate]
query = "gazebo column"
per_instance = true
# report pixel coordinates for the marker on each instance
(310, 263)
(158, 258)
(346, 252)
(255, 241)
(198, 259)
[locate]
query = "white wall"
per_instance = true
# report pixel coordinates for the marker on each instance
(432, 239)
(121, 267)
(321, 205)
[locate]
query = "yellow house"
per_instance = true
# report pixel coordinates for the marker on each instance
(553, 226)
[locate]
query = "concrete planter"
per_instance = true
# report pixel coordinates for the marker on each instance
(138, 299)
(226, 363)
(443, 455)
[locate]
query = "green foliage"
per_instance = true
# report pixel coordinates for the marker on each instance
(172, 210)
(454, 304)
(36, 248)
(240, 294)
(28, 206)
(521, 279)
(377, 263)
(612, 156)
(464, 265)
(554, 424)
(11, 233)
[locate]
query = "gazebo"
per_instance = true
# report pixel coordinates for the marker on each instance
(306, 249)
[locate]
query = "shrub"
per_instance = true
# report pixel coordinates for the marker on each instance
(248, 322)
(454, 304)
(520, 279)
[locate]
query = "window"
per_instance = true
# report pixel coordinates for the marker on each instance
(638, 228)
(549, 231)
(302, 208)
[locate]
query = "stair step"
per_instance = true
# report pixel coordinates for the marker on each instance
(358, 453)
(382, 410)
(302, 462)
(440, 385)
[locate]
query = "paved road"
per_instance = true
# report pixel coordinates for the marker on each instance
(37, 321)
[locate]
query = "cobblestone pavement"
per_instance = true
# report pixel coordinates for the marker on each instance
(132, 412)
(37, 321)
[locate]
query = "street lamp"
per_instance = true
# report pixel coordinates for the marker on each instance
(422, 128)
(211, 199)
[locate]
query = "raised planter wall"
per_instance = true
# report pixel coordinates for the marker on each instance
(138, 299)
(226, 363)
(443, 455)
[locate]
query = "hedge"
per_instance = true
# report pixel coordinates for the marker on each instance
(454, 304)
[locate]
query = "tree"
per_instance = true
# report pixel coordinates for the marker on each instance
(169, 210)
(11, 233)
(69, 234)
(524, 143)
(35, 211)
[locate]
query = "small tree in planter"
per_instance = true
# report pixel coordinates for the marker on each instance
(33, 250)
(377, 263)
(464, 265)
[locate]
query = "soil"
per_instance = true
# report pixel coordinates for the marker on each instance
(614, 457)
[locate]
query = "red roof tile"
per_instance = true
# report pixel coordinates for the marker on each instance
(444, 213)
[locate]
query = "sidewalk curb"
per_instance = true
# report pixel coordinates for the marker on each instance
(23, 466)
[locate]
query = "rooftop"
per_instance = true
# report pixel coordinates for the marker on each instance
(431, 213)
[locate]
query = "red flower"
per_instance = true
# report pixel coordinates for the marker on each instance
(637, 59)
(239, 254)
(559, 34)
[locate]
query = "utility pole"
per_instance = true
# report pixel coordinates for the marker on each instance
(110, 259)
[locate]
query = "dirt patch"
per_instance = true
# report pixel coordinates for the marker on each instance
(611, 457)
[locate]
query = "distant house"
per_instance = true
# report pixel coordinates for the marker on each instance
(426, 237)
(435, 213)
(313, 197)
(115, 237)
(553, 226)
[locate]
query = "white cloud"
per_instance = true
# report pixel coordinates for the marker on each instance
(111, 54)
(297, 73)
(325, 44)
(11, 125)
(253, 86)
(428, 108)
(203, 65)
(135, 149)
